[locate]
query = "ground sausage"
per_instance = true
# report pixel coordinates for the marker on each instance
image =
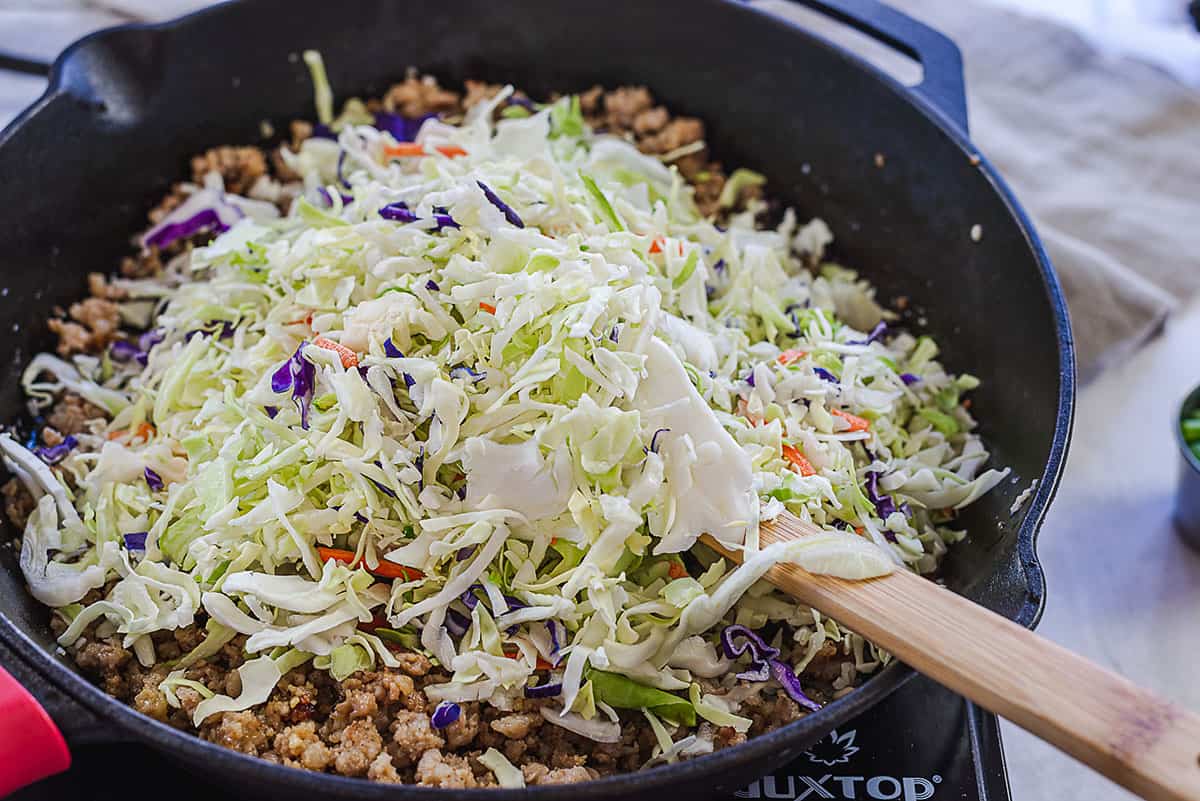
(413, 735)
(239, 167)
(300, 746)
(93, 324)
(438, 770)
(517, 727)
(18, 503)
(360, 745)
(72, 413)
(417, 96)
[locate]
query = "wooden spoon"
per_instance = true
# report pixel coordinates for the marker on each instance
(1128, 734)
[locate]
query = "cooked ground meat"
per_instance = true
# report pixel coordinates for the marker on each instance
(18, 503)
(239, 167)
(146, 264)
(417, 96)
(376, 724)
(93, 324)
(72, 413)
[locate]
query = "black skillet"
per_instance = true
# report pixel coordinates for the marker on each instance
(126, 107)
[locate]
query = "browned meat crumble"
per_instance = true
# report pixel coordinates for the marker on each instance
(377, 724)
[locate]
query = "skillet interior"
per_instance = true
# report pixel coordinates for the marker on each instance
(127, 107)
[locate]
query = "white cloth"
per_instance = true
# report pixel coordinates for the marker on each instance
(1100, 150)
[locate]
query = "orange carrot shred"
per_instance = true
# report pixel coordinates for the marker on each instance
(856, 423)
(744, 411)
(407, 149)
(657, 245)
(800, 464)
(349, 358)
(403, 150)
(676, 569)
(384, 569)
(789, 356)
(487, 307)
(144, 431)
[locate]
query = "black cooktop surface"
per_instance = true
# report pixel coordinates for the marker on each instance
(922, 744)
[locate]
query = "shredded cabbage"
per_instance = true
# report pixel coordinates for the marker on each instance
(537, 404)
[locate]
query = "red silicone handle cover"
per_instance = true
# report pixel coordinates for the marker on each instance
(31, 746)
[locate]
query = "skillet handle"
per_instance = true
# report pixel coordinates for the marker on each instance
(14, 62)
(942, 86)
(31, 746)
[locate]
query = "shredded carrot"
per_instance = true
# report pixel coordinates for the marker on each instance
(675, 569)
(744, 411)
(799, 463)
(859, 529)
(541, 664)
(406, 149)
(789, 356)
(487, 307)
(856, 423)
(143, 431)
(305, 321)
(966, 404)
(349, 358)
(384, 569)
(660, 243)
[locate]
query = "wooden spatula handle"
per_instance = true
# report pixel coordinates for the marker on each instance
(1128, 734)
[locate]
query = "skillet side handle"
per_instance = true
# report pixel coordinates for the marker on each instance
(31, 746)
(15, 62)
(942, 86)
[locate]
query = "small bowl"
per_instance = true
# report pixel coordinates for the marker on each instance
(1187, 494)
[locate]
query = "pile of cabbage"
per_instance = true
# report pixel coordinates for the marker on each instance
(513, 358)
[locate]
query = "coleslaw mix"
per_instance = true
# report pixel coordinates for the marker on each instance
(478, 393)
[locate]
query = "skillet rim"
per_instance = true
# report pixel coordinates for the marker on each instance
(189, 747)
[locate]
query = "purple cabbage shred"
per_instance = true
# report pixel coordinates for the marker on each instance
(398, 211)
(402, 129)
(654, 440)
(505, 209)
(884, 505)
(467, 374)
(444, 221)
(122, 351)
(909, 379)
(173, 232)
(153, 480)
(341, 176)
(53, 454)
(551, 689)
(457, 623)
(444, 714)
(790, 683)
(825, 375)
(136, 540)
(299, 375)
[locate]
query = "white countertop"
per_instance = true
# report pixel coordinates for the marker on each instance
(1122, 589)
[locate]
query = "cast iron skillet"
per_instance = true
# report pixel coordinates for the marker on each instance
(127, 106)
